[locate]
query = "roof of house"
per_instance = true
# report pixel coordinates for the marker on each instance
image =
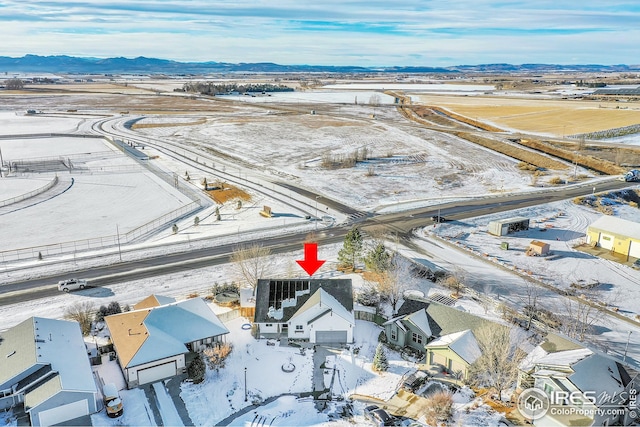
(443, 320)
(510, 220)
(41, 341)
(321, 303)
(153, 333)
(279, 300)
(418, 318)
(153, 301)
(538, 243)
(617, 225)
(462, 343)
(554, 343)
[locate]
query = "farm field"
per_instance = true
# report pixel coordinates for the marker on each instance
(542, 116)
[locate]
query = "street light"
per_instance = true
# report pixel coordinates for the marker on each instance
(317, 212)
(624, 358)
(245, 384)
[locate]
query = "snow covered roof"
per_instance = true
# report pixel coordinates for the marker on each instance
(462, 343)
(420, 320)
(617, 225)
(154, 333)
(279, 300)
(321, 303)
(564, 358)
(41, 341)
(153, 301)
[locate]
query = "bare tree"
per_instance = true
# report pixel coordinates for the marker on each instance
(252, 263)
(500, 355)
(455, 280)
(530, 301)
(83, 313)
(395, 280)
(579, 318)
(13, 84)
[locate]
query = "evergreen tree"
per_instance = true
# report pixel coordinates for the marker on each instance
(380, 362)
(218, 217)
(378, 259)
(196, 221)
(197, 369)
(351, 249)
(174, 228)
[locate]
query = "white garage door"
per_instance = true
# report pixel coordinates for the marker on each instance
(606, 241)
(634, 250)
(156, 373)
(331, 337)
(64, 413)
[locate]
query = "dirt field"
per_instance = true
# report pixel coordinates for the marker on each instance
(554, 117)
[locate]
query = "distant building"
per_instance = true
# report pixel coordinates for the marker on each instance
(618, 235)
(44, 367)
(152, 340)
(505, 226)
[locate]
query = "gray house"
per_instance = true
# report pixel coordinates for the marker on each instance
(46, 370)
(420, 322)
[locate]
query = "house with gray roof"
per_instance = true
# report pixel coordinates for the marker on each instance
(152, 340)
(584, 387)
(314, 310)
(411, 330)
(45, 368)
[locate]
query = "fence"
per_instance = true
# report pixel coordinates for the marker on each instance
(228, 315)
(98, 242)
(376, 318)
(30, 194)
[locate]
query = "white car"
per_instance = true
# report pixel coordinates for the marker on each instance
(71, 284)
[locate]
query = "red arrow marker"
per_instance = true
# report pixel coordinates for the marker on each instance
(310, 263)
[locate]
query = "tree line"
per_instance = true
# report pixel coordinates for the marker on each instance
(210, 88)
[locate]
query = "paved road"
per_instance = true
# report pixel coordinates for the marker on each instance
(400, 223)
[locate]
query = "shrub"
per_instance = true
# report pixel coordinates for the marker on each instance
(197, 369)
(369, 297)
(556, 180)
(439, 408)
(382, 337)
(216, 355)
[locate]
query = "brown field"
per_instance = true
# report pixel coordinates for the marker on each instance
(168, 125)
(555, 117)
(229, 192)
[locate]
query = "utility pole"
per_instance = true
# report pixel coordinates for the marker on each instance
(1, 164)
(119, 249)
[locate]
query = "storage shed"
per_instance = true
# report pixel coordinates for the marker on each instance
(538, 248)
(619, 235)
(505, 226)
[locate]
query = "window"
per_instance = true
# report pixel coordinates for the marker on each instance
(394, 337)
(417, 338)
(268, 325)
(298, 327)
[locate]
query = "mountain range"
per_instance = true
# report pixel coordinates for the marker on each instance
(141, 64)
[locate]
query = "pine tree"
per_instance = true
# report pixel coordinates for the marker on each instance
(351, 249)
(380, 362)
(218, 217)
(378, 259)
(196, 221)
(174, 228)
(197, 369)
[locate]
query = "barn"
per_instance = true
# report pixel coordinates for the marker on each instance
(618, 235)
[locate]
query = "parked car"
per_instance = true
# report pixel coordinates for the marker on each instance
(378, 416)
(438, 218)
(415, 381)
(636, 264)
(112, 400)
(71, 284)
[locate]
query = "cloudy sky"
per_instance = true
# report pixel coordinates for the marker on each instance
(329, 32)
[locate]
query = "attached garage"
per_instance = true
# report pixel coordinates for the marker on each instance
(331, 337)
(63, 413)
(438, 359)
(157, 373)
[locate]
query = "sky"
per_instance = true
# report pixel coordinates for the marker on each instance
(329, 32)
